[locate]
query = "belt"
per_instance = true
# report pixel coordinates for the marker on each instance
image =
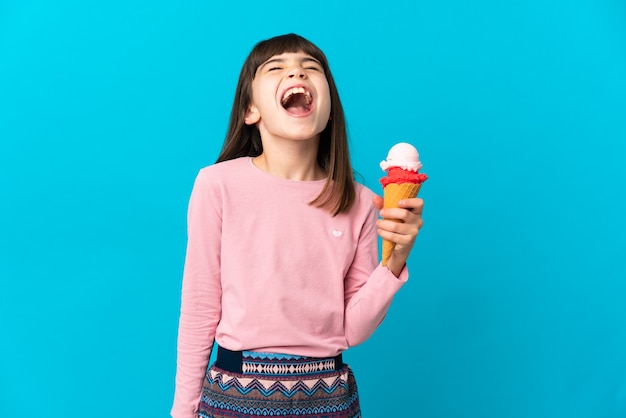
(238, 362)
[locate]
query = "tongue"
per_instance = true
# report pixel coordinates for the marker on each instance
(297, 110)
(297, 105)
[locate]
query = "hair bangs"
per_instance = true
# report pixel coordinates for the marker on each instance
(267, 49)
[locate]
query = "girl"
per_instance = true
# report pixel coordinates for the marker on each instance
(282, 256)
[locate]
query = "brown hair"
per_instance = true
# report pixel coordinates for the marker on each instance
(242, 140)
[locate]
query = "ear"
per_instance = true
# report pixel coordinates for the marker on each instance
(252, 115)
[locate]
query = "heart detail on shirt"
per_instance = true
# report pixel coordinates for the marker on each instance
(337, 233)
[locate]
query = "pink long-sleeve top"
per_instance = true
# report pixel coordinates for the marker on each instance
(266, 271)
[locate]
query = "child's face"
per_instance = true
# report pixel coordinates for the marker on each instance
(290, 98)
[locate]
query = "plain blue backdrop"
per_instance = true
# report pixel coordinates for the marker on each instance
(515, 306)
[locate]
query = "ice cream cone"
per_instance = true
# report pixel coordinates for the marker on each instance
(402, 181)
(392, 194)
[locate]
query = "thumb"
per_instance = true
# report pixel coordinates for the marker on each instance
(378, 202)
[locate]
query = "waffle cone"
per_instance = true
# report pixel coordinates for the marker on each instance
(392, 194)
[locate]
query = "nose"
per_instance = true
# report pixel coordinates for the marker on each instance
(296, 72)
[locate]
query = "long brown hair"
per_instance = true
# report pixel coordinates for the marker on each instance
(242, 140)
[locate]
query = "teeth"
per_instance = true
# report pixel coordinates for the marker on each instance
(296, 90)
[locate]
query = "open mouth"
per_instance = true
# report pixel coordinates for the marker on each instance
(297, 101)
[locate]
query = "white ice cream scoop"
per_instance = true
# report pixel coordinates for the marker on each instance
(402, 155)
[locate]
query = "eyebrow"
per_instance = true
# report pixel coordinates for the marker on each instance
(282, 61)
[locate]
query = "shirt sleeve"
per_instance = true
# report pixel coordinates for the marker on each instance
(369, 287)
(200, 297)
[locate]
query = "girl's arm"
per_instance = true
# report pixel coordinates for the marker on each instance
(200, 299)
(369, 287)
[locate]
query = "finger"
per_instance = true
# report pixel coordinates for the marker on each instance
(400, 228)
(415, 205)
(404, 215)
(400, 239)
(410, 227)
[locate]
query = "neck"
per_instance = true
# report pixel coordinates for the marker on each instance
(293, 160)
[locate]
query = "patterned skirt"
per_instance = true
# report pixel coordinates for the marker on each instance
(278, 385)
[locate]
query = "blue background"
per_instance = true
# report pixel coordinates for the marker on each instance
(515, 307)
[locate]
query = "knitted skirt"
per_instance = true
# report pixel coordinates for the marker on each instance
(277, 385)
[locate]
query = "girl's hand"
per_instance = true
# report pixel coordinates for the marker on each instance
(403, 233)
